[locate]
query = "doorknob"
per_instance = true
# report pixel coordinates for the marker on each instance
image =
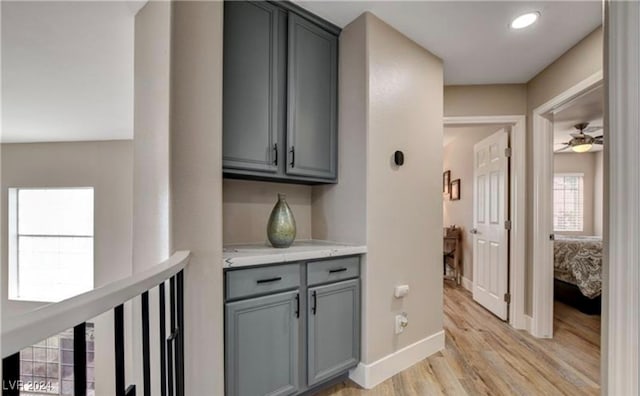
(474, 231)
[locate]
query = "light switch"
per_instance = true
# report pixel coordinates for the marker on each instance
(401, 291)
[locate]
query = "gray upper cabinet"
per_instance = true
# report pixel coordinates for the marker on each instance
(312, 100)
(262, 355)
(279, 93)
(333, 329)
(254, 50)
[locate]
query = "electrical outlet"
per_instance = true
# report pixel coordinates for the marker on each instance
(401, 322)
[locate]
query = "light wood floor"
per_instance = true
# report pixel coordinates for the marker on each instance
(484, 356)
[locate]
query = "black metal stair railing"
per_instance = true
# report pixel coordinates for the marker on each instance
(171, 348)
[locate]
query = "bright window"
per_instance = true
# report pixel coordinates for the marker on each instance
(50, 243)
(568, 198)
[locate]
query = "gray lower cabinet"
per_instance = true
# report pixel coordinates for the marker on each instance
(333, 329)
(291, 327)
(262, 356)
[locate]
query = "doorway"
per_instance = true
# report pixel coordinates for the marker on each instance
(543, 196)
(516, 208)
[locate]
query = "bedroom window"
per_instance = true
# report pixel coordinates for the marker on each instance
(50, 243)
(568, 202)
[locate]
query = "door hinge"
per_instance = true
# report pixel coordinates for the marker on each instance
(507, 152)
(507, 224)
(507, 298)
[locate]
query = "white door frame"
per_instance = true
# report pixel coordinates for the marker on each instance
(542, 257)
(517, 271)
(621, 300)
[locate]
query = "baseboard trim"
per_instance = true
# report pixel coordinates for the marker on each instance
(467, 284)
(370, 375)
(527, 323)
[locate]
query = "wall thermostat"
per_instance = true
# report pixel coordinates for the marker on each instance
(398, 158)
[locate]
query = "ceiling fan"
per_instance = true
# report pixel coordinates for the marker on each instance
(581, 142)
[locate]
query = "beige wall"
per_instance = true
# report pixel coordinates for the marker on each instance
(396, 89)
(151, 200)
(248, 204)
(578, 63)
(485, 100)
(598, 194)
(106, 166)
(458, 158)
(585, 164)
(404, 210)
(196, 174)
(339, 210)
(151, 237)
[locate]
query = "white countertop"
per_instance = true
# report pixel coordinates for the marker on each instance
(258, 254)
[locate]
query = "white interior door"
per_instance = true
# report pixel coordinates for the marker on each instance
(490, 236)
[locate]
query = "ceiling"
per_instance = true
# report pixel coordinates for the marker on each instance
(588, 108)
(473, 37)
(67, 67)
(67, 70)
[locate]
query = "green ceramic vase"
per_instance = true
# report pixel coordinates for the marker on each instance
(281, 229)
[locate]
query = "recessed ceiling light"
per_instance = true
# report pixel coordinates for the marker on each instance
(525, 20)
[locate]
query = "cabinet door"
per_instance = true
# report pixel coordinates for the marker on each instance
(334, 329)
(253, 92)
(262, 346)
(312, 100)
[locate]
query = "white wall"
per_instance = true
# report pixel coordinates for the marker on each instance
(458, 158)
(196, 170)
(585, 164)
(390, 99)
(248, 204)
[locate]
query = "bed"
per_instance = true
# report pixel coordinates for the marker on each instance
(578, 271)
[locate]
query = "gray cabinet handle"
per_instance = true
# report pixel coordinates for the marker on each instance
(275, 154)
(314, 302)
(293, 156)
(333, 271)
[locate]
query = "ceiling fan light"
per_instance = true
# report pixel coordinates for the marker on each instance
(582, 148)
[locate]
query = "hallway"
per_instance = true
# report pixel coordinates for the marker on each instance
(484, 356)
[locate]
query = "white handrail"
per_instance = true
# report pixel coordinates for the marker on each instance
(32, 327)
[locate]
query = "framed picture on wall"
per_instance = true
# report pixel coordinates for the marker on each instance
(446, 184)
(455, 190)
